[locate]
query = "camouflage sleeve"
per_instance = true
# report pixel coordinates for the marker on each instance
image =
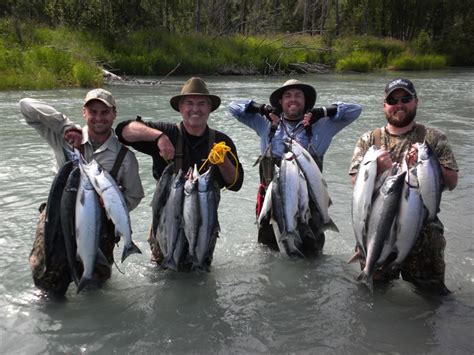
(439, 142)
(362, 145)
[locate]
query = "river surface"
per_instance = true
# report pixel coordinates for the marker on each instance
(253, 300)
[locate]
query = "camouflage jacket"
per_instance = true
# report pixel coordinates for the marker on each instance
(399, 145)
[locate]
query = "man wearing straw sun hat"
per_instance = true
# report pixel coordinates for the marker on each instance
(292, 117)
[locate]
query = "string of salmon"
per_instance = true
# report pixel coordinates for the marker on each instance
(217, 156)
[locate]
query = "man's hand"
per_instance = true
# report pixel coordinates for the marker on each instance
(74, 137)
(307, 119)
(384, 161)
(412, 156)
(166, 147)
(275, 119)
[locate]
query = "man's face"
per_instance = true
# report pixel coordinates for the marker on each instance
(399, 113)
(195, 111)
(99, 117)
(293, 103)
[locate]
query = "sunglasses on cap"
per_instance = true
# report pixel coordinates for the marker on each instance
(394, 100)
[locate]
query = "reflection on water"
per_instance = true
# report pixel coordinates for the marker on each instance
(254, 300)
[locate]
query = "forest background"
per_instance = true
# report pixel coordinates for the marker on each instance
(60, 43)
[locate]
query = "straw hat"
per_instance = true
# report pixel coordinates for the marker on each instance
(308, 90)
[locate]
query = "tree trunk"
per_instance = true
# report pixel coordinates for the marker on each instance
(243, 15)
(197, 16)
(305, 15)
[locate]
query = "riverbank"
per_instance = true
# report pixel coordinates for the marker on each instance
(39, 57)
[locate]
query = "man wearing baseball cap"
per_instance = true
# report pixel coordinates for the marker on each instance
(96, 141)
(186, 144)
(398, 141)
(290, 115)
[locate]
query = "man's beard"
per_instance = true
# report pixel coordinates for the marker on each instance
(295, 116)
(399, 123)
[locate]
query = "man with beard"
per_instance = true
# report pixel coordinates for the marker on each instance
(290, 117)
(424, 266)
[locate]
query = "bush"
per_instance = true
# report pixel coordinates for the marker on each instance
(86, 75)
(360, 61)
(422, 62)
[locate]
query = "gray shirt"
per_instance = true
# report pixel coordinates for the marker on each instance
(51, 125)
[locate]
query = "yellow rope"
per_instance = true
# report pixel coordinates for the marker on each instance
(217, 156)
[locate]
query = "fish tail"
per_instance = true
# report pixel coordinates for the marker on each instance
(199, 268)
(169, 263)
(291, 249)
(331, 226)
(128, 250)
(367, 280)
(357, 256)
(86, 281)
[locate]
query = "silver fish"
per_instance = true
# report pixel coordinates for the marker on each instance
(266, 210)
(381, 218)
(191, 210)
(208, 204)
(114, 204)
(430, 179)
(160, 196)
(362, 196)
(410, 218)
(304, 212)
(287, 242)
(317, 186)
(289, 182)
(88, 228)
(171, 222)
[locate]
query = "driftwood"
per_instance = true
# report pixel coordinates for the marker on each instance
(307, 68)
(111, 78)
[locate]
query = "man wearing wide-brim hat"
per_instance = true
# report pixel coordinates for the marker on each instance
(186, 144)
(291, 115)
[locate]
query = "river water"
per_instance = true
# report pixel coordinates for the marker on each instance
(253, 300)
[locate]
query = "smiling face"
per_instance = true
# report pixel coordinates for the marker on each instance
(400, 114)
(195, 110)
(293, 103)
(99, 118)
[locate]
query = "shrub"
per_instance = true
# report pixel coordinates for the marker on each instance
(423, 62)
(360, 61)
(86, 75)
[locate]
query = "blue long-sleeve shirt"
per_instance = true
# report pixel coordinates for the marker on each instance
(323, 130)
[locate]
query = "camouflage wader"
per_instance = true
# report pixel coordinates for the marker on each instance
(424, 266)
(57, 278)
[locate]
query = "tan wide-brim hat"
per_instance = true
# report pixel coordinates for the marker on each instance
(195, 86)
(308, 91)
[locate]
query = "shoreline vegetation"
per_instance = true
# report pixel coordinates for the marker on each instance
(40, 57)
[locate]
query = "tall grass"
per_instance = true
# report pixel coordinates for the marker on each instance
(43, 57)
(419, 62)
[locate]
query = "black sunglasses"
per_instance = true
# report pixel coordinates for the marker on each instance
(404, 99)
